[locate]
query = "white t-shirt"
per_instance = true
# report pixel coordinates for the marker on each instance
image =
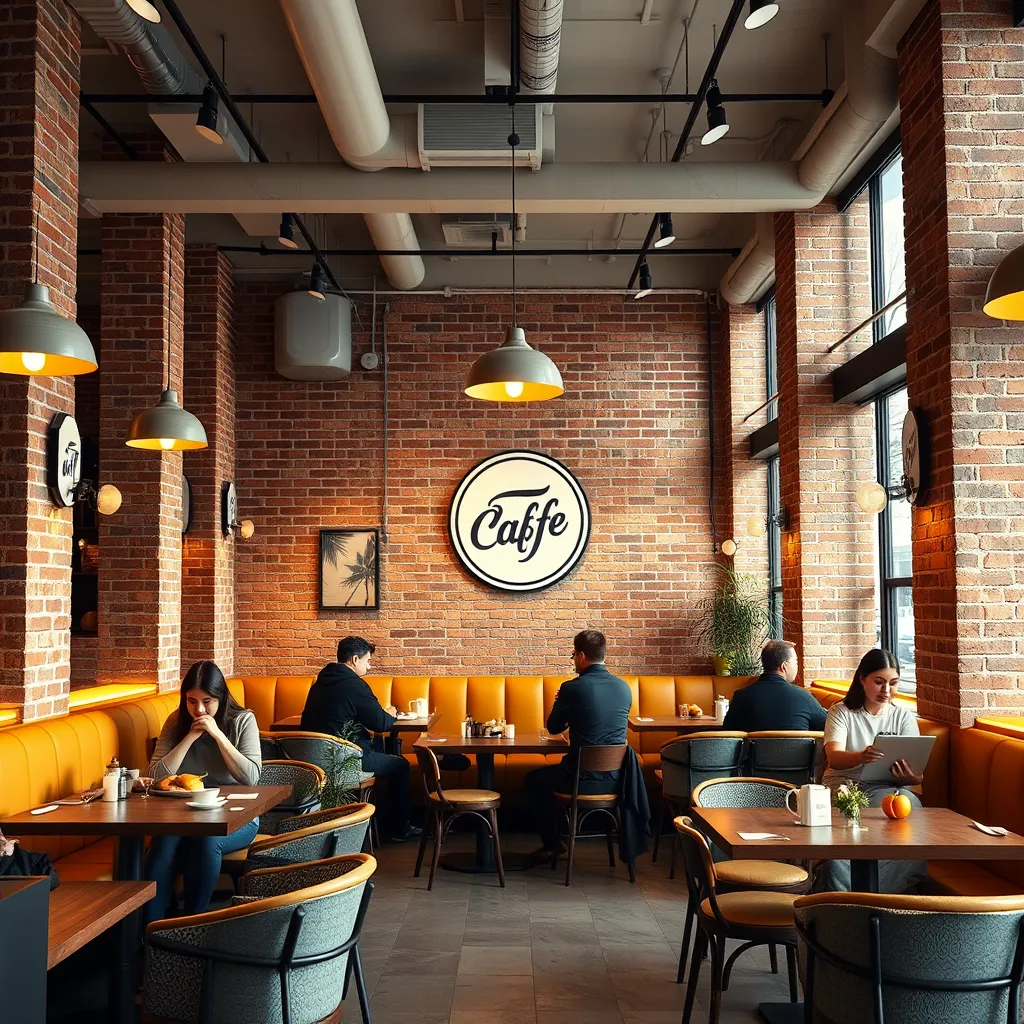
(855, 730)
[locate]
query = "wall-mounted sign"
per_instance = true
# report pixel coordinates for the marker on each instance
(912, 463)
(519, 521)
(186, 505)
(64, 459)
(228, 508)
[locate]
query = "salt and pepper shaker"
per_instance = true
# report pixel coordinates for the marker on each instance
(124, 783)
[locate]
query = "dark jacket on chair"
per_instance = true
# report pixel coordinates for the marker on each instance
(339, 697)
(634, 810)
(772, 702)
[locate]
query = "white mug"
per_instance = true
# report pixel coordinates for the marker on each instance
(813, 805)
(510, 731)
(206, 796)
(419, 707)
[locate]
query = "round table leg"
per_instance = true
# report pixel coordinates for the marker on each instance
(129, 859)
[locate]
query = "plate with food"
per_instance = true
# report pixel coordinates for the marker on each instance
(181, 786)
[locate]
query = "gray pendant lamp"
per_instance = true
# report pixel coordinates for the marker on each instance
(515, 372)
(35, 340)
(167, 426)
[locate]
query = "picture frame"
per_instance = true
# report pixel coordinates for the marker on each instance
(348, 569)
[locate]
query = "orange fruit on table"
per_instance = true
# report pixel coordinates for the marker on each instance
(896, 805)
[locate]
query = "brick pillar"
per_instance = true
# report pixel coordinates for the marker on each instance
(39, 71)
(140, 575)
(963, 146)
(208, 567)
(829, 551)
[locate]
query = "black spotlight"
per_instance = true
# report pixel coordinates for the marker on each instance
(206, 122)
(286, 233)
(761, 12)
(718, 123)
(316, 282)
(646, 287)
(667, 235)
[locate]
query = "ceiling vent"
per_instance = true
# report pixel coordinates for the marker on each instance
(476, 135)
(475, 230)
(497, 45)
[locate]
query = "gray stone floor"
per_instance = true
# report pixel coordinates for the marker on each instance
(600, 952)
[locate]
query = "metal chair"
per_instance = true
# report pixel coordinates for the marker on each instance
(755, 918)
(444, 806)
(787, 756)
(579, 806)
(327, 833)
(911, 959)
(284, 952)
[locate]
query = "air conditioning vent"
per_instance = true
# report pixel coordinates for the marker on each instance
(471, 135)
(474, 230)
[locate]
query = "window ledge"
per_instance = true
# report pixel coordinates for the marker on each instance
(111, 693)
(1005, 725)
(9, 714)
(841, 686)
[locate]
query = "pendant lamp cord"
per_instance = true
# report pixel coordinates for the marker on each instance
(513, 141)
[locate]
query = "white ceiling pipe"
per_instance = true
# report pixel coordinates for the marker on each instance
(329, 38)
(143, 187)
(540, 35)
(754, 267)
(839, 137)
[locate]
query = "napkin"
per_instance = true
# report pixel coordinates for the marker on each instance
(639, 719)
(243, 796)
(761, 835)
(990, 830)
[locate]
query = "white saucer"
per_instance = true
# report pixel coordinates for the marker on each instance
(218, 803)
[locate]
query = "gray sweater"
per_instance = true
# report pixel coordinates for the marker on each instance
(204, 757)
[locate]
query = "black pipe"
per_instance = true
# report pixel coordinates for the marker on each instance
(263, 250)
(222, 91)
(466, 99)
(111, 130)
(709, 75)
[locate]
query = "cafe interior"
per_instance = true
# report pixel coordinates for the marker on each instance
(312, 327)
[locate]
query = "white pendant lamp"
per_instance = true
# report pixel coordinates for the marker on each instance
(515, 372)
(167, 426)
(35, 340)
(144, 9)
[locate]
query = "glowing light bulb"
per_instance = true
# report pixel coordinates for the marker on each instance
(167, 443)
(108, 500)
(756, 526)
(729, 547)
(247, 528)
(81, 543)
(513, 388)
(33, 361)
(872, 497)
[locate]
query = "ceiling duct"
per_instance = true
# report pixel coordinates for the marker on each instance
(451, 135)
(497, 48)
(540, 35)
(472, 231)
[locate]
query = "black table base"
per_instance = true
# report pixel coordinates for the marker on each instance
(782, 1013)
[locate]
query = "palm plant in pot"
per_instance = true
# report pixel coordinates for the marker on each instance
(733, 622)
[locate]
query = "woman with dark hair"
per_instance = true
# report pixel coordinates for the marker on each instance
(211, 735)
(868, 711)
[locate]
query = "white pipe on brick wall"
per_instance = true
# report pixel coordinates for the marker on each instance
(332, 46)
(692, 187)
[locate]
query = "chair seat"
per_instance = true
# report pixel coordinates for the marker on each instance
(594, 799)
(759, 873)
(754, 909)
(366, 779)
(468, 798)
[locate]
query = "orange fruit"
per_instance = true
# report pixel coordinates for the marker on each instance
(896, 805)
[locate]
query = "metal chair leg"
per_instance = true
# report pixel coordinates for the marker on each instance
(493, 815)
(691, 917)
(364, 1003)
(574, 822)
(436, 856)
(691, 983)
(611, 848)
(773, 957)
(717, 956)
(423, 844)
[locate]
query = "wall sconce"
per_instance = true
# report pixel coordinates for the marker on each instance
(757, 526)
(229, 514)
(729, 547)
(872, 497)
(106, 500)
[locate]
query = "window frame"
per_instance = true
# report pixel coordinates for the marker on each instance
(774, 549)
(771, 366)
(877, 245)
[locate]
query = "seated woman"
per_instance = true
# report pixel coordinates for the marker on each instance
(210, 734)
(865, 712)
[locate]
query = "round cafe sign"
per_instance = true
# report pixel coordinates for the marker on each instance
(519, 521)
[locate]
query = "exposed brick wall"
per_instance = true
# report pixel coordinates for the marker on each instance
(39, 66)
(140, 578)
(962, 104)
(208, 580)
(632, 425)
(87, 386)
(829, 553)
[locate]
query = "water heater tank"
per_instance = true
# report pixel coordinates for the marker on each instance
(312, 337)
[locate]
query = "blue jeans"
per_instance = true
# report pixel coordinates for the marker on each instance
(199, 858)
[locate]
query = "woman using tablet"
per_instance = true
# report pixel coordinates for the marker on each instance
(866, 712)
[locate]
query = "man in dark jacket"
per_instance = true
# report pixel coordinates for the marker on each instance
(341, 703)
(772, 701)
(594, 707)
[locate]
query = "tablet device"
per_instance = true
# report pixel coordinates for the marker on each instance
(915, 750)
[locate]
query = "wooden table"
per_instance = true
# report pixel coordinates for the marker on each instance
(133, 819)
(81, 911)
(484, 749)
(930, 833)
(294, 722)
(663, 722)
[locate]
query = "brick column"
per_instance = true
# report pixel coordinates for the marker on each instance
(963, 147)
(39, 71)
(829, 551)
(208, 567)
(140, 546)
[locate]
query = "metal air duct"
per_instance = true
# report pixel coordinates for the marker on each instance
(540, 35)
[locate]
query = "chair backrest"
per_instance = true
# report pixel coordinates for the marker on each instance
(430, 770)
(912, 959)
(700, 866)
(331, 753)
(306, 781)
(329, 837)
(279, 954)
(688, 761)
(742, 792)
(602, 759)
(788, 757)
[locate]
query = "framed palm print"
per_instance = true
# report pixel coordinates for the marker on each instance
(349, 569)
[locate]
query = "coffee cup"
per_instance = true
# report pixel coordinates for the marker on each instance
(206, 796)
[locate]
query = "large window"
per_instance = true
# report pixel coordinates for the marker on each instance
(771, 366)
(774, 550)
(888, 251)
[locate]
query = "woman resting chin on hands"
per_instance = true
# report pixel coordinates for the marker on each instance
(866, 712)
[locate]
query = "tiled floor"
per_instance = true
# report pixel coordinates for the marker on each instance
(600, 952)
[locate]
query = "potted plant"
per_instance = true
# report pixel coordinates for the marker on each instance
(733, 622)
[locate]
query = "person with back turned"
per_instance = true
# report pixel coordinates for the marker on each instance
(595, 708)
(772, 702)
(341, 702)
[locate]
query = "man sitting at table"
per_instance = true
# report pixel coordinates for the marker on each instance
(772, 702)
(341, 703)
(595, 708)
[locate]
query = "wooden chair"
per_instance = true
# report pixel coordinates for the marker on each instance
(284, 952)
(579, 806)
(314, 836)
(444, 806)
(755, 918)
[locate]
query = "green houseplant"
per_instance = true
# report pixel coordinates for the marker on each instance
(733, 622)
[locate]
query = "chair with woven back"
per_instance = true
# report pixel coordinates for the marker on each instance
(870, 958)
(282, 953)
(306, 779)
(754, 918)
(445, 806)
(579, 806)
(788, 756)
(328, 833)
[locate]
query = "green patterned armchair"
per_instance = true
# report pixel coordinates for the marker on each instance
(283, 953)
(305, 837)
